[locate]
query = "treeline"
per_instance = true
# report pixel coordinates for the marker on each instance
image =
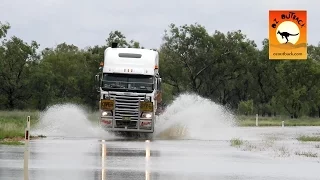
(227, 68)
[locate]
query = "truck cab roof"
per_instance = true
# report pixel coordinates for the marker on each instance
(131, 60)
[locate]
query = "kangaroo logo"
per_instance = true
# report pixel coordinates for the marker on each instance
(286, 35)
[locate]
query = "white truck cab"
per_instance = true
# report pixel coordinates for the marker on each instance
(129, 86)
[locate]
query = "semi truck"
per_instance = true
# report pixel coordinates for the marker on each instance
(129, 86)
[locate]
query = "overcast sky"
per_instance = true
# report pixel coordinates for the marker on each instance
(87, 23)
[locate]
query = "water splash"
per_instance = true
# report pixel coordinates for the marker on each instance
(193, 117)
(68, 120)
(188, 117)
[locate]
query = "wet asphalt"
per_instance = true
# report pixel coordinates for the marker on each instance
(63, 158)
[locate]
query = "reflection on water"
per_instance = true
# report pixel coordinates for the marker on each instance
(74, 159)
(147, 159)
(103, 155)
(111, 156)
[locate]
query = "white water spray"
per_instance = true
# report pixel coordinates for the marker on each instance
(67, 120)
(188, 117)
(193, 117)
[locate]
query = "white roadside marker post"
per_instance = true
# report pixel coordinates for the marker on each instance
(26, 150)
(257, 116)
(282, 124)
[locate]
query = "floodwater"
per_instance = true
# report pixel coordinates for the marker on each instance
(192, 141)
(96, 159)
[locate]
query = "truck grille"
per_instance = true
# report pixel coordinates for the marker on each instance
(127, 106)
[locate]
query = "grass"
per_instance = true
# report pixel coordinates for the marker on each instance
(307, 154)
(10, 143)
(13, 124)
(236, 142)
(283, 152)
(308, 138)
(277, 121)
(249, 147)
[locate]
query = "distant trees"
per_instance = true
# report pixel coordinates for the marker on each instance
(228, 68)
(16, 61)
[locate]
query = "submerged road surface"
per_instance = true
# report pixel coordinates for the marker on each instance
(96, 159)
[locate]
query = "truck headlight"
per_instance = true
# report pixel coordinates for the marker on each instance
(106, 113)
(146, 115)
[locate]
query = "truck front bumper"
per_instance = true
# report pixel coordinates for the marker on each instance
(128, 130)
(146, 126)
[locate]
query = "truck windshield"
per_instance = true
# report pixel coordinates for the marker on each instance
(128, 82)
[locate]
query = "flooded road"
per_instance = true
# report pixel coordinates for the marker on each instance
(97, 159)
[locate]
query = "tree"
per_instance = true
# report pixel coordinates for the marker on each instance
(16, 58)
(210, 65)
(186, 48)
(4, 29)
(118, 37)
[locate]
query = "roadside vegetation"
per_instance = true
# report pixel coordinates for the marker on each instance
(277, 121)
(306, 154)
(309, 138)
(235, 142)
(13, 124)
(11, 143)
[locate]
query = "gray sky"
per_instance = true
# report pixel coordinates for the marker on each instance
(87, 23)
